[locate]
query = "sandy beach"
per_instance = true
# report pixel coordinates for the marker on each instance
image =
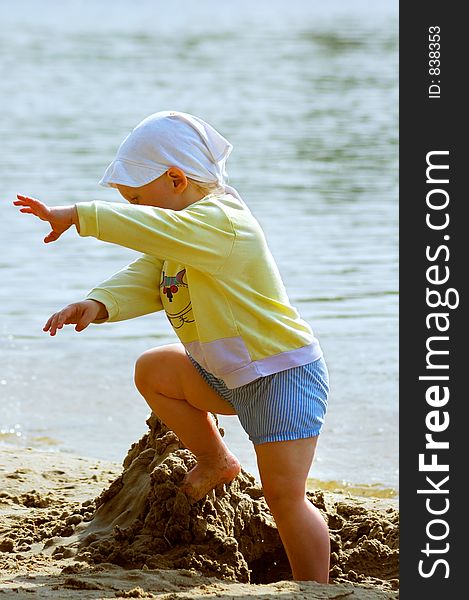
(76, 527)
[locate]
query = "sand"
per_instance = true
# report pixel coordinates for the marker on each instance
(75, 527)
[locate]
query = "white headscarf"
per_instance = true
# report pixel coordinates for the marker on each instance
(166, 139)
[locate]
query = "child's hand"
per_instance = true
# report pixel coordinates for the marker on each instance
(80, 314)
(60, 218)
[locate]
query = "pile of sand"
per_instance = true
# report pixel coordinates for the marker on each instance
(141, 521)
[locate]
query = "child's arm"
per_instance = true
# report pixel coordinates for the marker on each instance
(133, 291)
(60, 218)
(200, 236)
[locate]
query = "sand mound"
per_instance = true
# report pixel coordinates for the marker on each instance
(142, 521)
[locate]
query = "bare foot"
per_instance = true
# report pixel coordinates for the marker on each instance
(206, 475)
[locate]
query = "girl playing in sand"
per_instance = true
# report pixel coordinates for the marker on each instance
(243, 348)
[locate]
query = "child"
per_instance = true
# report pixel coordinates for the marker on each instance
(243, 348)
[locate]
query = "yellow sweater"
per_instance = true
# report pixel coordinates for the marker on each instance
(209, 268)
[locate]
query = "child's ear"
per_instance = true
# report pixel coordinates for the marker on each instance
(177, 178)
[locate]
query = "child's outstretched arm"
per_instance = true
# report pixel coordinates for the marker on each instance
(60, 218)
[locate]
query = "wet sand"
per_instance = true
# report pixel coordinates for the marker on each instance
(76, 527)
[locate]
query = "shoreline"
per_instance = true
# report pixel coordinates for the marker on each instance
(348, 488)
(42, 492)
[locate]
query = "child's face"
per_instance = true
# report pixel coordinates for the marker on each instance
(170, 190)
(158, 193)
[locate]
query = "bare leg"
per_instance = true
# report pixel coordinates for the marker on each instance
(180, 397)
(284, 468)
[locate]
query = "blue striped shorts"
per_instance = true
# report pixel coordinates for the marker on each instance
(288, 405)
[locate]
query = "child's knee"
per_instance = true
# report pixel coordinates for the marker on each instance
(280, 493)
(158, 370)
(273, 497)
(141, 371)
(146, 370)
